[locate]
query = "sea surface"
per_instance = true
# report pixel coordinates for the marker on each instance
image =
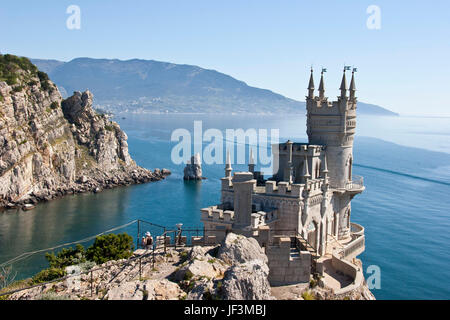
(405, 209)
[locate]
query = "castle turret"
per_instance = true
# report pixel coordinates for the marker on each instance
(322, 86)
(305, 172)
(311, 86)
(352, 86)
(333, 124)
(228, 168)
(251, 162)
(243, 184)
(343, 86)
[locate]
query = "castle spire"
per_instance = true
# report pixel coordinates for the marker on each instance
(251, 162)
(311, 86)
(352, 85)
(343, 87)
(321, 85)
(306, 174)
(228, 166)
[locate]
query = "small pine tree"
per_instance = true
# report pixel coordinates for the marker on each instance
(110, 247)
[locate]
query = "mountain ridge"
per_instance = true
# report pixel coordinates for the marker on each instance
(139, 85)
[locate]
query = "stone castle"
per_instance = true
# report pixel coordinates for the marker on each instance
(301, 215)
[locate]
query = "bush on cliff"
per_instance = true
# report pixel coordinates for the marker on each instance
(110, 247)
(67, 257)
(9, 66)
(49, 275)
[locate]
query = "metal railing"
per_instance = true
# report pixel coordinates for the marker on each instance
(356, 183)
(126, 263)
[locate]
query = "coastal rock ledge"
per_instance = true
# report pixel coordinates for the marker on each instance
(235, 269)
(51, 147)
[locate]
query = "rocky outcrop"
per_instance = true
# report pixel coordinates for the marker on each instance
(146, 290)
(239, 249)
(50, 147)
(247, 281)
(192, 274)
(193, 169)
(238, 272)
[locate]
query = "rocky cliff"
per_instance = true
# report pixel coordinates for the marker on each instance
(236, 269)
(50, 147)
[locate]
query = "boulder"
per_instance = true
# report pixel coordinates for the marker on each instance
(208, 267)
(146, 290)
(240, 249)
(247, 281)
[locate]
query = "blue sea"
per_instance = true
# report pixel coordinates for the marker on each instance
(405, 209)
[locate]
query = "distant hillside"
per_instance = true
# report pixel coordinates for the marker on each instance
(153, 86)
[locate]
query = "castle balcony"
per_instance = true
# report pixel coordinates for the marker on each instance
(355, 185)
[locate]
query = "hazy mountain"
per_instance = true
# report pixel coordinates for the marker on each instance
(153, 86)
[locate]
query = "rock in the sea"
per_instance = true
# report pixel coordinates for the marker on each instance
(193, 169)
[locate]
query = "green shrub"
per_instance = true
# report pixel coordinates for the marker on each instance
(43, 78)
(10, 65)
(48, 275)
(109, 128)
(54, 105)
(18, 89)
(67, 257)
(308, 296)
(188, 275)
(110, 247)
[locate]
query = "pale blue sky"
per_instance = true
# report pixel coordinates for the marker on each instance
(404, 66)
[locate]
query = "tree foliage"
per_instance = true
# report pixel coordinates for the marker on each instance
(67, 257)
(110, 247)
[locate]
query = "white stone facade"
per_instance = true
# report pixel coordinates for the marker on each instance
(310, 195)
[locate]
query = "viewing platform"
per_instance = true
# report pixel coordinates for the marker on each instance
(355, 185)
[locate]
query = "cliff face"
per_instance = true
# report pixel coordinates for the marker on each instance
(50, 147)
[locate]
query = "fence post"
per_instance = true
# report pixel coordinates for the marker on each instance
(138, 233)
(140, 267)
(164, 240)
(154, 247)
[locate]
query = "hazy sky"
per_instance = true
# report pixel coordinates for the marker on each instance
(403, 66)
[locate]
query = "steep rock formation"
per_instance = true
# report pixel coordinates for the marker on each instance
(193, 169)
(50, 147)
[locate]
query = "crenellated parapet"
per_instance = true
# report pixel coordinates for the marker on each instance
(215, 214)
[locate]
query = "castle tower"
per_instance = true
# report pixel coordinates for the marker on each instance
(333, 124)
